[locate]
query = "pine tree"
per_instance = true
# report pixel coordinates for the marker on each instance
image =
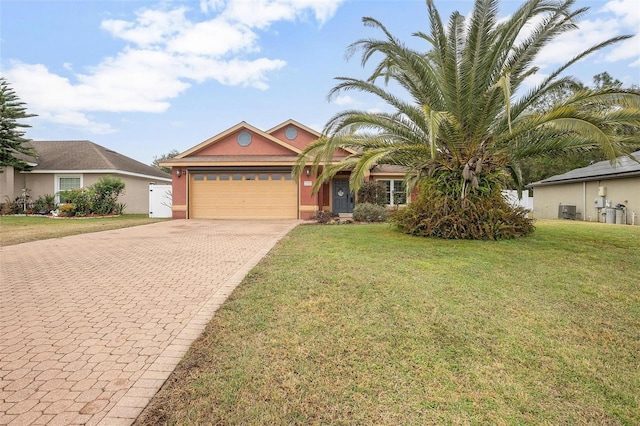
(12, 141)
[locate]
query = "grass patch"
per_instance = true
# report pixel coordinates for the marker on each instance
(363, 325)
(23, 229)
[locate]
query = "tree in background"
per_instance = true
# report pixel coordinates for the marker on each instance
(168, 156)
(455, 125)
(541, 167)
(12, 141)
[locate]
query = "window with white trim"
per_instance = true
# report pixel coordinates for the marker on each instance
(66, 183)
(396, 191)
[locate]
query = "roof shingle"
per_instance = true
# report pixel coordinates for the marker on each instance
(86, 155)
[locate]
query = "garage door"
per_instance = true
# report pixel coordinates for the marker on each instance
(243, 195)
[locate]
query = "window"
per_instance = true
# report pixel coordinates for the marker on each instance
(396, 191)
(224, 176)
(211, 177)
(198, 177)
(263, 176)
(236, 176)
(276, 176)
(250, 176)
(66, 183)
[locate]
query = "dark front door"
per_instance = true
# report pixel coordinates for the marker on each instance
(342, 196)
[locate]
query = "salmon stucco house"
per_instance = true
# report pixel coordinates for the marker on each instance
(245, 173)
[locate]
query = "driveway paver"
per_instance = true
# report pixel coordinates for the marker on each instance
(92, 325)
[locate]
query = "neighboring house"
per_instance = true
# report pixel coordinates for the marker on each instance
(64, 165)
(245, 172)
(591, 190)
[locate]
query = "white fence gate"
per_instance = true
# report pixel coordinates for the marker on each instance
(160, 198)
(511, 195)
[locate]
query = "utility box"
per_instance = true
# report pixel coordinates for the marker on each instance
(599, 202)
(610, 215)
(602, 191)
(566, 212)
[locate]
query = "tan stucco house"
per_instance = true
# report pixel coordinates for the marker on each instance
(593, 190)
(245, 172)
(64, 165)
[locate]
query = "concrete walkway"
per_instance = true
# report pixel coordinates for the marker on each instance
(92, 325)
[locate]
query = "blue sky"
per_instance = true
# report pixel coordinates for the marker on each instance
(145, 77)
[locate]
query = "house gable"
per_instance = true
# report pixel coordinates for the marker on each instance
(294, 133)
(241, 140)
(302, 136)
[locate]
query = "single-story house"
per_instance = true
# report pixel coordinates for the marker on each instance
(245, 172)
(64, 165)
(590, 193)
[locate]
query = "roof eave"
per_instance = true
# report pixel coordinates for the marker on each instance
(585, 179)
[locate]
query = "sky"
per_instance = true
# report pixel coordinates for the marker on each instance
(147, 77)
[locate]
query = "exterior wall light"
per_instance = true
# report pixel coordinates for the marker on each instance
(178, 172)
(307, 171)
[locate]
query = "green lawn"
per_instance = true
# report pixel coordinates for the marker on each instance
(23, 229)
(363, 325)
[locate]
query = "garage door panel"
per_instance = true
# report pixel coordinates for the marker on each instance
(249, 199)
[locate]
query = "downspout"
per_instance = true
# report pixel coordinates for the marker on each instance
(584, 201)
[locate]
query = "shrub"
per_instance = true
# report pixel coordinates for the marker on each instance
(82, 199)
(10, 207)
(120, 208)
(324, 217)
(483, 216)
(44, 204)
(106, 192)
(367, 212)
(67, 209)
(373, 193)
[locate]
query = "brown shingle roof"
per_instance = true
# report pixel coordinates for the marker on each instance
(86, 155)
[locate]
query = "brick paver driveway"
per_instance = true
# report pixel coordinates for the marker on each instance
(91, 325)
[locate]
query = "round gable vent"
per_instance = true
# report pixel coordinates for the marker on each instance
(291, 133)
(244, 138)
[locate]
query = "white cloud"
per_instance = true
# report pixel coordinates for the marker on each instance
(261, 14)
(214, 38)
(627, 14)
(627, 11)
(344, 100)
(207, 6)
(150, 26)
(167, 52)
(568, 45)
(627, 49)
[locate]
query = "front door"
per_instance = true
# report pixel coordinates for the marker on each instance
(342, 196)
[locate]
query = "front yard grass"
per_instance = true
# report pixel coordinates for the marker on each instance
(23, 229)
(363, 325)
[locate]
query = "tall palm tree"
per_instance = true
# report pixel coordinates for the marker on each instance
(461, 119)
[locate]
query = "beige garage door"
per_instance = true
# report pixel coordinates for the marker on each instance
(243, 195)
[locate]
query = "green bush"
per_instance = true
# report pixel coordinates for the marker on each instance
(373, 193)
(106, 192)
(44, 204)
(81, 198)
(67, 209)
(367, 212)
(99, 198)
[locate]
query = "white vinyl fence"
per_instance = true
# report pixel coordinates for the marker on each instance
(511, 195)
(160, 198)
